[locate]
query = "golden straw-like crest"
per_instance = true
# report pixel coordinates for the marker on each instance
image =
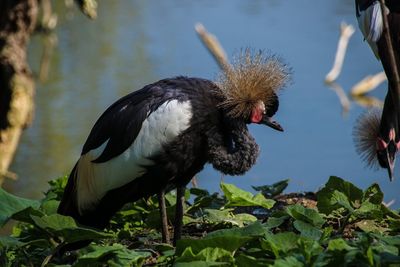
(365, 134)
(252, 77)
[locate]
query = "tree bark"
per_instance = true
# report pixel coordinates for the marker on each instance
(17, 22)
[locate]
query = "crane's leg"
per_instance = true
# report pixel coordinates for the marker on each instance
(164, 219)
(180, 202)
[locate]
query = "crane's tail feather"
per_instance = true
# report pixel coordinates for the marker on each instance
(68, 205)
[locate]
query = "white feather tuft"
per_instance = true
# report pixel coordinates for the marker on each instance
(371, 24)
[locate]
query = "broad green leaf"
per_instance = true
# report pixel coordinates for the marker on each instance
(310, 249)
(288, 262)
(54, 222)
(249, 261)
(340, 199)
(382, 247)
(226, 216)
(301, 213)
(8, 241)
(66, 228)
(237, 197)
(10, 204)
(390, 240)
(307, 230)
(274, 222)
(373, 194)
(206, 254)
(228, 239)
(244, 218)
(50, 207)
(115, 255)
(369, 210)
(371, 226)
(273, 190)
(201, 264)
(339, 244)
(199, 192)
(338, 193)
(280, 243)
(25, 215)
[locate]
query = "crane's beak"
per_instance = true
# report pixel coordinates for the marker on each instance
(391, 159)
(271, 123)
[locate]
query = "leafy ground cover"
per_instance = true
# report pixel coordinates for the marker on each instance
(340, 225)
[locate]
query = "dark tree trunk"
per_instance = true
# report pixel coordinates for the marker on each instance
(17, 21)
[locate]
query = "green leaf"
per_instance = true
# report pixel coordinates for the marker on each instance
(8, 241)
(115, 255)
(228, 239)
(206, 254)
(270, 191)
(307, 230)
(50, 207)
(371, 226)
(280, 243)
(301, 213)
(369, 210)
(339, 244)
(249, 261)
(274, 222)
(373, 194)
(25, 215)
(214, 216)
(66, 228)
(237, 197)
(201, 264)
(290, 261)
(338, 193)
(11, 204)
(341, 200)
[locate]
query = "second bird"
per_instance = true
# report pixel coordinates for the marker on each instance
(377, 134)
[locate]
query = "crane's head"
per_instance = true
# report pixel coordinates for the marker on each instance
(249, 87)
(261, 115)
(386, 151)
(377, 142)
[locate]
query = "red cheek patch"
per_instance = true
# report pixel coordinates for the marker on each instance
(256, 116)
(380, 144)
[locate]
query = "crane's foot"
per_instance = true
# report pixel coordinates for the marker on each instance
(164, 218)
(180, 202)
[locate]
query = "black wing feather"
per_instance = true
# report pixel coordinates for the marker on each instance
(121, 122)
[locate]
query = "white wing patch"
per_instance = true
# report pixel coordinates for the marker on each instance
(160, 127)
(371, 24)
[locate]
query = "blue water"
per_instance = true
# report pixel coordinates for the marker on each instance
(133, 43)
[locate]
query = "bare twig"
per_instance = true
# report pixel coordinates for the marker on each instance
(213, 46)
(344, 100)
(390, 203)
(346, 31)
(367, 101)
(9, 174)
(386, 33)
(50, 41)
(368, 84)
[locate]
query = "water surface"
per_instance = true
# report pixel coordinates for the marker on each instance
(133, 43)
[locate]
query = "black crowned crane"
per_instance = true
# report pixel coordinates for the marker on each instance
(377, 134)
(157, 138)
